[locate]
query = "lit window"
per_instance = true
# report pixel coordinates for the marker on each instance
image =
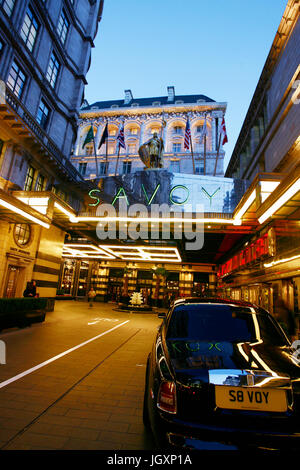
(29, 29)
(43, 114)
(16, 79)
(133, 131)
(126, 167)
(176, 148)
(29, 179)
(40, 183)
(154, 129)
(8, 6)
(131, 148)
(112, 132)
(53, 69)
(22, 234)
(89, 149)
(110, 149)
(62, 27)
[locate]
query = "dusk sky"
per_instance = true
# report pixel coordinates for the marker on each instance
(216, 48)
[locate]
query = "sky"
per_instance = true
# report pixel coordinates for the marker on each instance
(212, 47)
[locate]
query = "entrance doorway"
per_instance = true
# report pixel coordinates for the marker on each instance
(13, 273)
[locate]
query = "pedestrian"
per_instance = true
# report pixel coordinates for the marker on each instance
(30, 290)
(91, 296)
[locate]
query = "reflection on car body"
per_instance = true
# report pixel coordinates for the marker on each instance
(222, 371)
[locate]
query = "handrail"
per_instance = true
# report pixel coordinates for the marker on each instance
(13, 102)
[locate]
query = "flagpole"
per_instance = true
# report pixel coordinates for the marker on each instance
(95, 151)
(204, 155)
(217, 156)
(192, 153)
(163, 125)
(106, 156)
(117, 162)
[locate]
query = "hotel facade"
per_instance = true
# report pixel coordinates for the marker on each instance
(141, 118)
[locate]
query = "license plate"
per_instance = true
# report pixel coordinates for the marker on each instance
(250, 398)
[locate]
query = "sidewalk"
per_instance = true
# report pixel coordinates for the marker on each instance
(91, 399)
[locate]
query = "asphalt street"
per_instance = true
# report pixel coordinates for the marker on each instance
(76, 381)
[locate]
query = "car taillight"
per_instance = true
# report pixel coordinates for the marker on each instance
(167, 397)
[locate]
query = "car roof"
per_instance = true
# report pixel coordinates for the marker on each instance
(215, 300)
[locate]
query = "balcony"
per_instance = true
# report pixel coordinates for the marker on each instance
(26, 129)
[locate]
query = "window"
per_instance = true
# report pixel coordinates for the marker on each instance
(104, 168)
(199, 168)
(29, 29)
(110, 149)
(89, 149)
(22, 234)
(222, 323)
(29, 179)
(53, 69)
(40, 183)
(1, 47)
(62, 27)
(8, 6)
(176, 148)
(177, 130)
(133, 131)
(16, 79)
(126, 168)
(131, 148)
(82, 168)
(112, 132)
(174, 167)
(43, 114)
(199, 129)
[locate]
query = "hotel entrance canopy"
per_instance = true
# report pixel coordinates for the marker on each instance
(229, 213)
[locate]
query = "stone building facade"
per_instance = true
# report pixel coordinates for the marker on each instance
(141, 117)
(45, 49)
(267, 155)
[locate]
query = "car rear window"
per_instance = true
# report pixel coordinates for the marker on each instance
(209, 322)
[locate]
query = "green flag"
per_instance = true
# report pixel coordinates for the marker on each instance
(89, 137)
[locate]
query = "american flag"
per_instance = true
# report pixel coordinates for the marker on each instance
(120, 138)
(223, 132)
(187, 136)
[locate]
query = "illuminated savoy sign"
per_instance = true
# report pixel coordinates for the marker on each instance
(216, 194)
